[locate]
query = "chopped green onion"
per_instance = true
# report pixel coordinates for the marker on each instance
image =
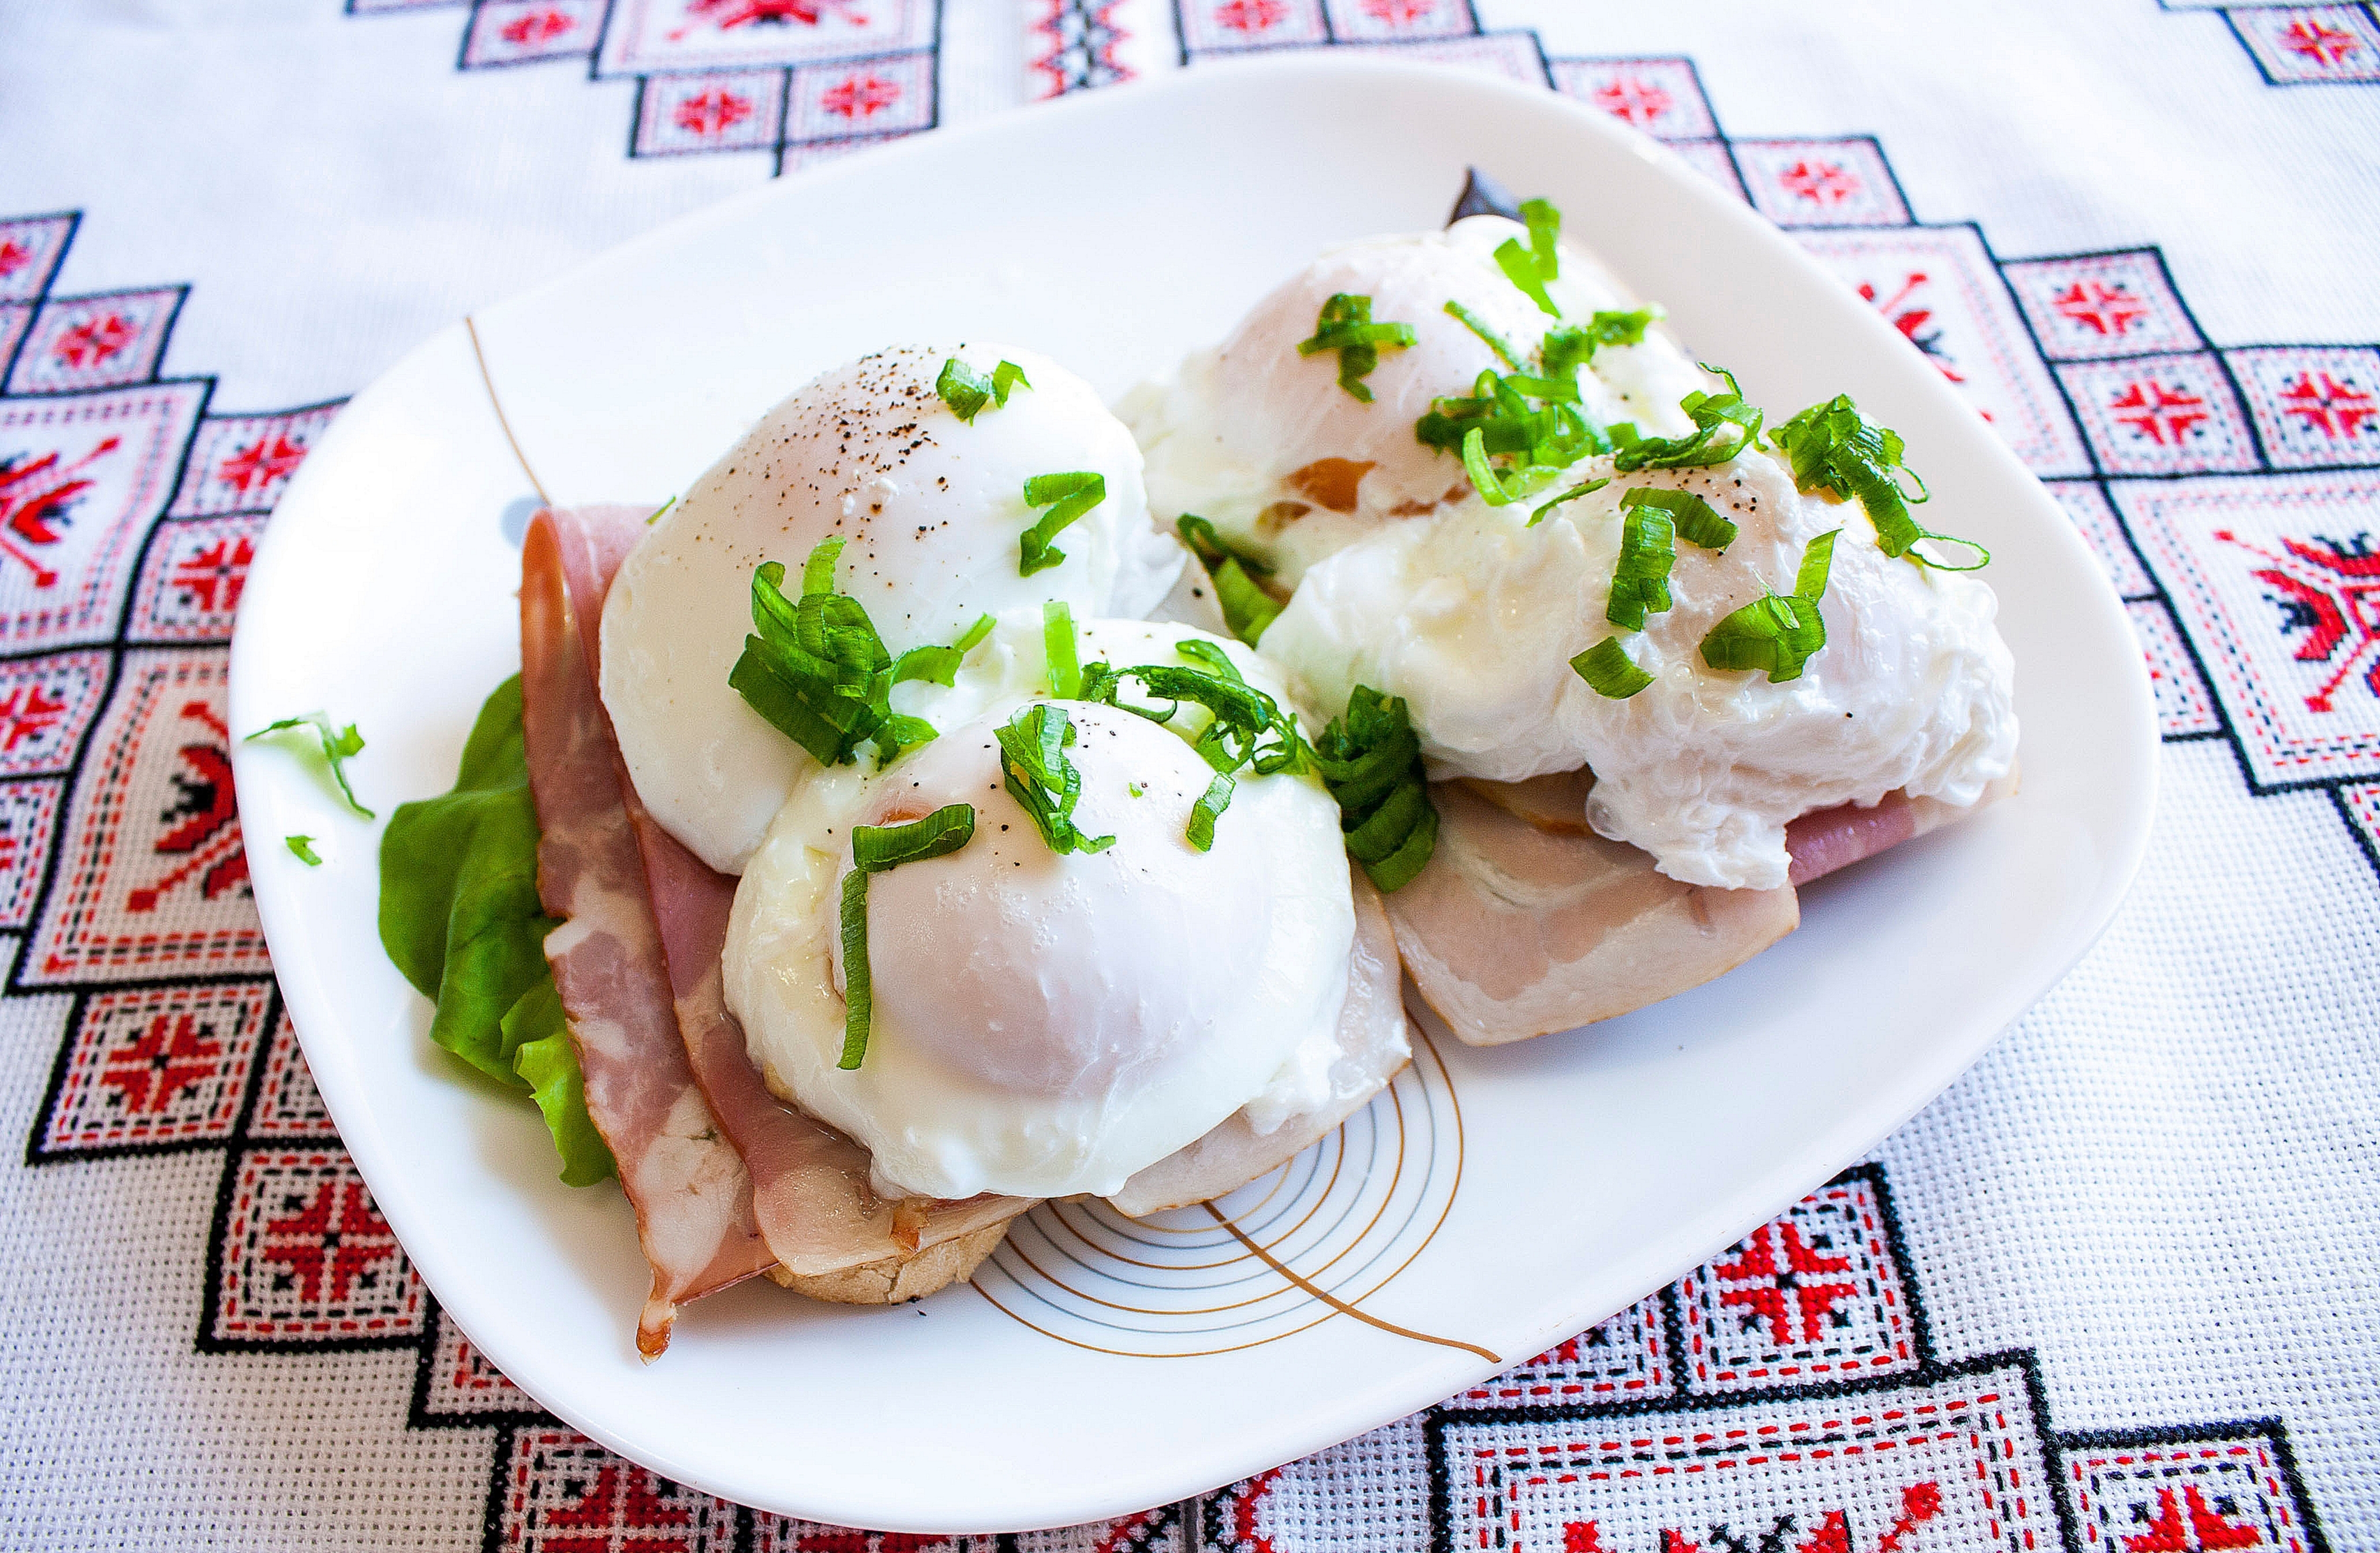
(1640, 582)
(1344, 325)
(1478, 325)
(1241, 717)
(1247, 608)
(302, 849)
(1484, 477)
(1211, 548)
(1058, 650)
(1211, 657)
(1696, 519)
(338, 745)
(879, 850)
(1006, 378)
(1573, 346)
(1778, 632)
(941, 664)
(1608, 671)
(1521, 267)
(1203, 813)
(1068, 497)
(967, 391)
(1544, 223)
(1571, 494)
(1834, 447)
(1043, 780)
(1371, 760)
(1711, 413)
(659, 510)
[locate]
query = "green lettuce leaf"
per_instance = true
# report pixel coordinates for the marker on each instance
(460, 916)
(543, 1055)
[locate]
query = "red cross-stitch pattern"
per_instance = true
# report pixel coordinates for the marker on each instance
(713, 112)
(1249, 16)
(860, 96)
(28, 711)
(2191, 1526)
(1902, 308)
(155, 1068)
(2324, 44)
(2332, 594)
(1398, 13)
(725, 15)
(215, 575)
(36, 499)
(202, 830)
(2106, 310)
(1919, 1502)
(1823, 183)
(565, 1494)
(533, 28)
(304, 1254)
(14, 256)
(1781, 1287)
(2164, 413)
(1633, 100)
(2319, 402)
(270, 458)
(331, 1241)
(90, 341)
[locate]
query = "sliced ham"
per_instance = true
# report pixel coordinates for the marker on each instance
(1513, 930)
(1374, 1047)
(831, 1236)
(692, 1197)
(1525, 922)
(1832, 839)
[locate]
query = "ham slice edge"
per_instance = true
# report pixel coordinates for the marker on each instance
(692, 1196)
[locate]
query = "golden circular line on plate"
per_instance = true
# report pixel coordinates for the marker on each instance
(1345, 1309)
(1059, 1283)
(1281, 1172)
(1453, 1099)
(1393, 1273)
(1387, 1196)
(1281, 1169)
(496, 404)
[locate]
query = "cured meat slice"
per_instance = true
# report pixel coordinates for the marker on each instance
(1375, 1044)
(692, 1197)
(1525, 922)
(1831, 838)
(831, 1236)
(1515, 930)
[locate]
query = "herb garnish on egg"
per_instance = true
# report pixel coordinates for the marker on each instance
(876, 849)
(1068, 497)
(1833, 448)
(1711, 414)
(1344, 325)
(1370, 759)
(819, 673)
(1241, 717)
(1696, 521)
(1609, 671)
(1042, 777)
(1529, 268)
(967, 391)
(1778, 632)
(1247, 608)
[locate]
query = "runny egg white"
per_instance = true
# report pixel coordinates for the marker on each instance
(931, 510)
(1046, 1025)
(1265, 444)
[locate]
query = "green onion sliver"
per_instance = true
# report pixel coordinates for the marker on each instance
(1608, 671)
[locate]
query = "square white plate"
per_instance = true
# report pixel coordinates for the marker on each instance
(1503, 1198)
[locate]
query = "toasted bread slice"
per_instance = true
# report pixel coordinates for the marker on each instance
(912, 1276)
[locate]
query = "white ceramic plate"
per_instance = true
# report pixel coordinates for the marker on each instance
(1505, 1198)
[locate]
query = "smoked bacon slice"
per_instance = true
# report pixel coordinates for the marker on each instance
(692, 1197)
(833, 1235)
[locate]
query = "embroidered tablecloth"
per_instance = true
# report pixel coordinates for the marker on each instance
(2116, 1290)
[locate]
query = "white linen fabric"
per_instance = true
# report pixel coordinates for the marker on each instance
(2113, 1291)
